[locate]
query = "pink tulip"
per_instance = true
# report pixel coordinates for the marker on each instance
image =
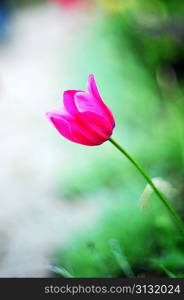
(69, 2)
(83, 118)
(65, 2)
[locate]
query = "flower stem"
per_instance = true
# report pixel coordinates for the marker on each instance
(167, 205)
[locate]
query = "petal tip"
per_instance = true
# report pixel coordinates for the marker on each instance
(47, 115)
(91, 80)
(91, 76)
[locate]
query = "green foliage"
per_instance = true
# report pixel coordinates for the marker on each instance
(123, 240)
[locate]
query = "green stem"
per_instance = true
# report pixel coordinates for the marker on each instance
(167, 205)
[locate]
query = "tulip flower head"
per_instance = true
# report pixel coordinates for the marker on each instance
(71, 3)
(83, 117)
(65, 2)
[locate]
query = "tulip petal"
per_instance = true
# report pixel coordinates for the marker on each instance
(61, 122)
(90, 129)
(86, 102)
(92, 87)
(68, 101)
(93, 90)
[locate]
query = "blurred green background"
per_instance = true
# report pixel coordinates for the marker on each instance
(135, 49)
